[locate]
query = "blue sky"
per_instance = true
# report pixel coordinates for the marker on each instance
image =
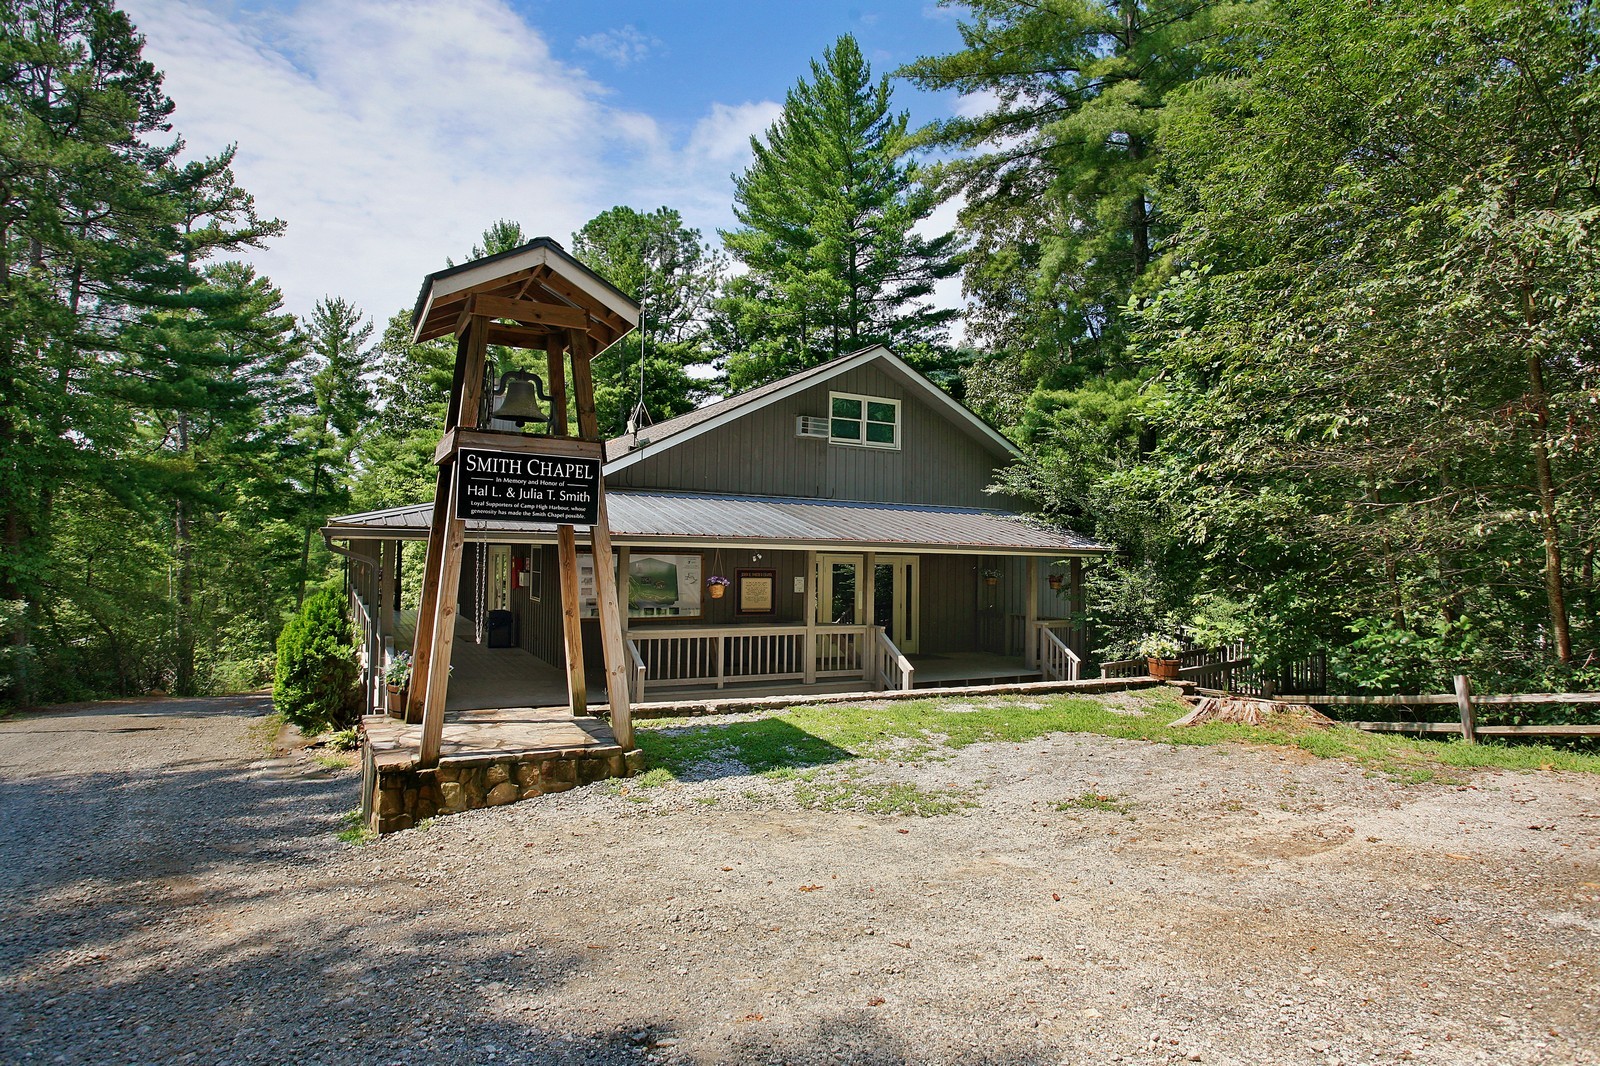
(389, 133)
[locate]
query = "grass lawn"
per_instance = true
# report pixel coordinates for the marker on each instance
(794, 742)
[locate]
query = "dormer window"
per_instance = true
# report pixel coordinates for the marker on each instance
(864, 421)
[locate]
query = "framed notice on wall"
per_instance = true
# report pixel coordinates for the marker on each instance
(659, 586)
(757, 591)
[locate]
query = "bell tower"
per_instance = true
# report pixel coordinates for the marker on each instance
(534, 297)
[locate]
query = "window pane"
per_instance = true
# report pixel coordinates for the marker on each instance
(878, 433)
(844, 429)
(844, 407)
(880, 412)
(844, 594)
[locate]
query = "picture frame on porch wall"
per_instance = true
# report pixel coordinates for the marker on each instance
(756, 591)
(658, 585)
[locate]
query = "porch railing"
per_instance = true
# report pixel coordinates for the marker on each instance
(890, 669)
(637, 674)
(701, 656)
(1057, 661)
(372, 654)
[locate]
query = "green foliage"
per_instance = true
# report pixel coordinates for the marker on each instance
(1379, 358)
(316, 675)
(1060, 198)
(827, 212)
(663, 264)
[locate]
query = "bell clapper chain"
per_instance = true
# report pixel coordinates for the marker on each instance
(483, 592)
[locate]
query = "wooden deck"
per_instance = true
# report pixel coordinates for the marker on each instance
(493, 733)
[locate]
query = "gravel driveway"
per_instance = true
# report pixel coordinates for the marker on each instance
(169, 894)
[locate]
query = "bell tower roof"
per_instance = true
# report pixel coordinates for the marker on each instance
(537, 275)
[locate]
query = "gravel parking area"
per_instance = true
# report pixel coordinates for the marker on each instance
(168, 893)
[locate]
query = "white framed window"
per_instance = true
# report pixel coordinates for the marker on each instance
(864, 421)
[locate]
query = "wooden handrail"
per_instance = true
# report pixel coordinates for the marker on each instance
(887, 656)
(1058, 661)
(637, 673)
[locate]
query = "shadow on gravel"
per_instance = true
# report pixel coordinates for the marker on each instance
(200, 910)
(711, 751)
(244, 706)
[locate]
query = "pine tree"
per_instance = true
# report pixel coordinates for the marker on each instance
(828, 210)
(663, 264)
(336, 369)
(1060, 197)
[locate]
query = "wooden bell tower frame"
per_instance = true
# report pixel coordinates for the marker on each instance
(532, 297)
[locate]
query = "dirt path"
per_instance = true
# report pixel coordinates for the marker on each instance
(167, 894)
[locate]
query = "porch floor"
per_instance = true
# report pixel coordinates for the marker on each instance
(956, 668)
(493, 733)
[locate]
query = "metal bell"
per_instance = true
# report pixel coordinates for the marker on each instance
(517, 398)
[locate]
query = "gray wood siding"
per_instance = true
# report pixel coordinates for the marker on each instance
(939, 461)
(950, 603)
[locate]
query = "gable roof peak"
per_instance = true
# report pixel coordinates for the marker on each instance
(625, 450)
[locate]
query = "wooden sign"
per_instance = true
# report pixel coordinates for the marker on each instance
(525, 486)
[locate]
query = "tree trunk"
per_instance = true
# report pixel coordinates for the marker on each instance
(183, 637)
(1549, 526)
(305, 550)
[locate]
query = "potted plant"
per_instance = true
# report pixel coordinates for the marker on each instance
(1055, 582)
(397, 678)
(1161, 654)
(718, 586)
(991, 577)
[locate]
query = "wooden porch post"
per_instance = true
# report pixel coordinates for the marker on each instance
(869, 599)
(388, 579)
(1075, 605)
(605, 574)
(555, 347)
(571, 617)
(1030, 617)
(810, 665)
(449, 573)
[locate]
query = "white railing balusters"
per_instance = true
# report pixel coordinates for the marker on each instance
(1057, 660)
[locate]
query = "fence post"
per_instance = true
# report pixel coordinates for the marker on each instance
(1469, 722)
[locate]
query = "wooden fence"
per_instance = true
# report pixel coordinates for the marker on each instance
(1467, 705)
(1231, 668)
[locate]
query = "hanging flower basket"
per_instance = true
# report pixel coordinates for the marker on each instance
(1055, 582)
(718, 586)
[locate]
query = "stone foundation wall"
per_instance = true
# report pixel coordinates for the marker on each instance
(399, 795)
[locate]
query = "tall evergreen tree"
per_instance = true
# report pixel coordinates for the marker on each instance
(1060, 193)
(336, 369)
(828, 211)
(1382, 358)
(664, 265)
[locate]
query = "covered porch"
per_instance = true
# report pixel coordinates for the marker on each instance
(920, 621)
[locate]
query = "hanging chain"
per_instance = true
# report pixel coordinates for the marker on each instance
(483, 592)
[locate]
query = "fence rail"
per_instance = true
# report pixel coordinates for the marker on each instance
(1467, 704)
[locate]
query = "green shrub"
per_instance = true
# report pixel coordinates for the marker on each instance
(314, 687)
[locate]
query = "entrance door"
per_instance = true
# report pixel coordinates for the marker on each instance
(896, 599)
(839, 590)
(842, 595)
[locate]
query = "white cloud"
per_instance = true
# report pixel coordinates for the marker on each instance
(388, 156)
(723, 136)
(621, 47)
(390, 133)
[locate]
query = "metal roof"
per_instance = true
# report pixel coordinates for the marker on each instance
(643, 516)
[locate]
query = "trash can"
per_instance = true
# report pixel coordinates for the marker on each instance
(502, 629)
